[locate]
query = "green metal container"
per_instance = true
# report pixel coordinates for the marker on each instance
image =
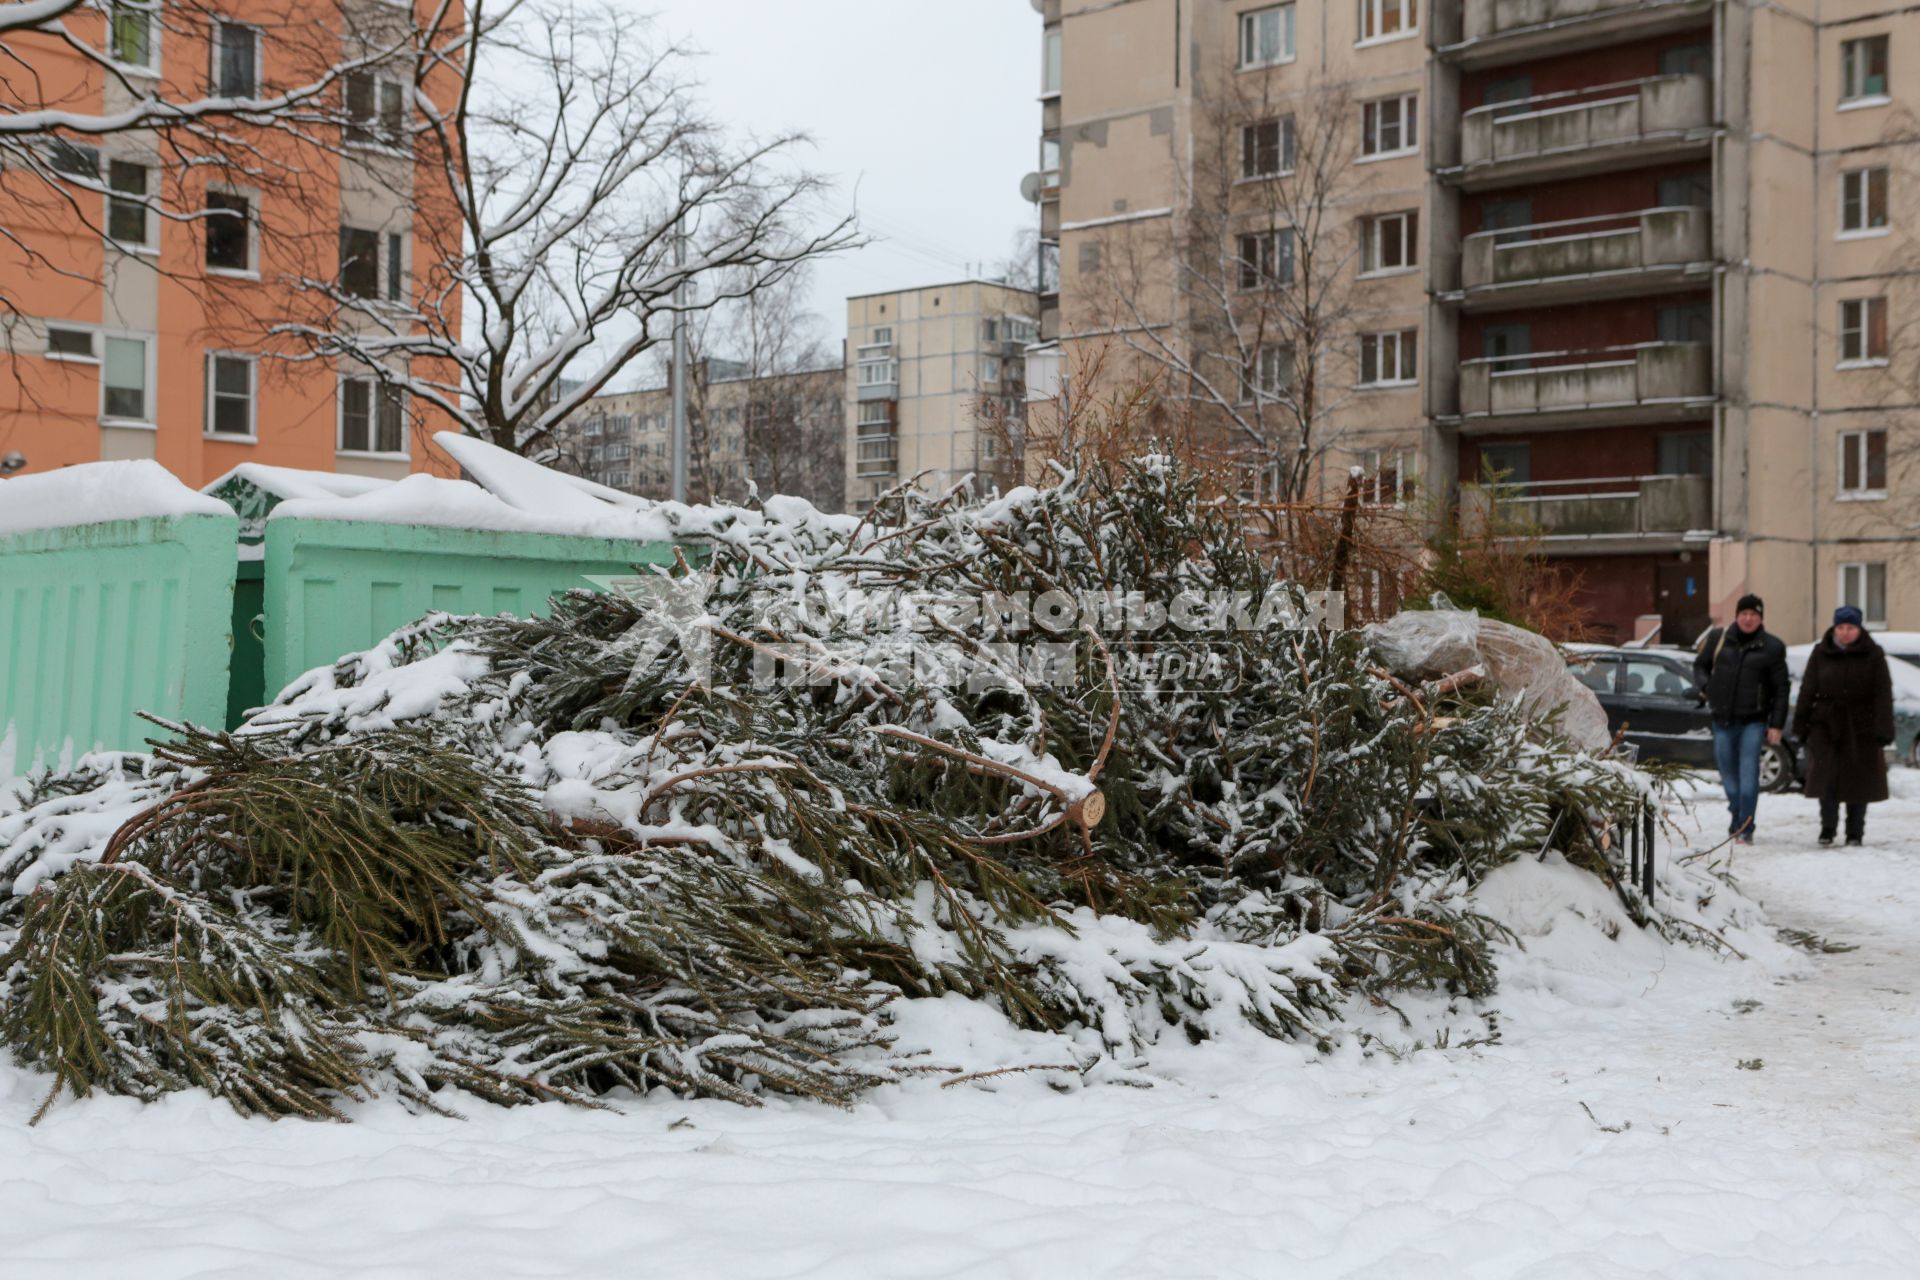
(101, 621)
(334, 587)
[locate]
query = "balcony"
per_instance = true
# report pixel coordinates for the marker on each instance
(1495, 32)
(1638, 513)
(1628, 124)
(1645, 382)
(1580, 259)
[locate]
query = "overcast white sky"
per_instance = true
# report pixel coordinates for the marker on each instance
(923, 112)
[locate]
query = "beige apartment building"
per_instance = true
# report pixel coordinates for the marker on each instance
(1649, 260)
(774, 434)
(935, 385)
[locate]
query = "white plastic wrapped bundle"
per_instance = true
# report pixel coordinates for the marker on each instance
(1434, 643)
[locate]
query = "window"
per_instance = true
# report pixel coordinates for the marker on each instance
(1266, 258)
(1687, 190)
(1511, 218)
(376, 110)
(73, 158)
(230, 390)
(1508, 93)
(882, 337)
(396, 268)
(1269, 374)
(1266, 148)
(1266, 36)
(131, 34)
(236, 60)
(1864, 586)
(1685, 453)
(878, 373)
(1050, 62)
(1049, 165)
(359, 262)
(1863, 331)
(1863, 464)
(1863, 70)
(229, 224)
(127, 206)
(1385, 19)
(1388, 477)
(123, 380)
(1506, 463)
(1389, 127)
(1388, 359)
(1863, 202)
(1508, 344)
(372, 417)
(1684, 322)
(990, 369)
(873, 440)
(1389, 242)
(1687, 60)
(69, 344)
(1652, 677)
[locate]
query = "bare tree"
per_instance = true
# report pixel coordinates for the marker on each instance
(1243, 298)
(584, 192)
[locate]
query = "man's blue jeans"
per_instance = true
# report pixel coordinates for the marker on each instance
(1736, 749)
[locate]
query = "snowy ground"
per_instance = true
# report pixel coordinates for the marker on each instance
(1261, 1161)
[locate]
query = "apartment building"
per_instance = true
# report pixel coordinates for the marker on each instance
(141, 300)
(1645, 260)
(935, 386)
(777, 433)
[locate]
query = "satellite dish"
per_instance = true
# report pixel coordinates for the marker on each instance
(13, 462)
(1039, 6)
(1030, 188)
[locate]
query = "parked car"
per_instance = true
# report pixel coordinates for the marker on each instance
(1904, 645)
(1906, 696)
(1650, 691)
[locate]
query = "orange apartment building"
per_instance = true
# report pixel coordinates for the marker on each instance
(139, 306)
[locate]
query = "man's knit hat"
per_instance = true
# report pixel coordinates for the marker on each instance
(1750, 601)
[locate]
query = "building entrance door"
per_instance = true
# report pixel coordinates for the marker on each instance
(1680, 598)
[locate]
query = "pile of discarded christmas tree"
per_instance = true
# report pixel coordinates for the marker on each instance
(701, 833)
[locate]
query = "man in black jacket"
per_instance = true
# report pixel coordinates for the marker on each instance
(1743, 672)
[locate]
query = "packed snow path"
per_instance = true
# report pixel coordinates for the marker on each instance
(1265, 1160)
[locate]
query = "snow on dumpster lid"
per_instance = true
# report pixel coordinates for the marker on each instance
(96, 492)
(292, 482)
(459, 504)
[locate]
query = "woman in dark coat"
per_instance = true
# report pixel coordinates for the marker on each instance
(1844, 718)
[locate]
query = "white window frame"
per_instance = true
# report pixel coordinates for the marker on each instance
(1052, 62)
(1856, 324)
(990, 369)
(252, 269)
(151, 8)
(1269, 375)
(222, 24)
(1864, 177)
(879, 373)
(1373, 229)
(1407, 109)
(1853, 74)
(1267, 258)
(1857, 442)
(1856, 588)
(376, 388)
(93, 345)
(1289, 156)
(1371, 12)
(1397, 338)
(148, 244)
(150, 376)
(1406, 462)
(211, 393)
(371, 126)
(1284, 14)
